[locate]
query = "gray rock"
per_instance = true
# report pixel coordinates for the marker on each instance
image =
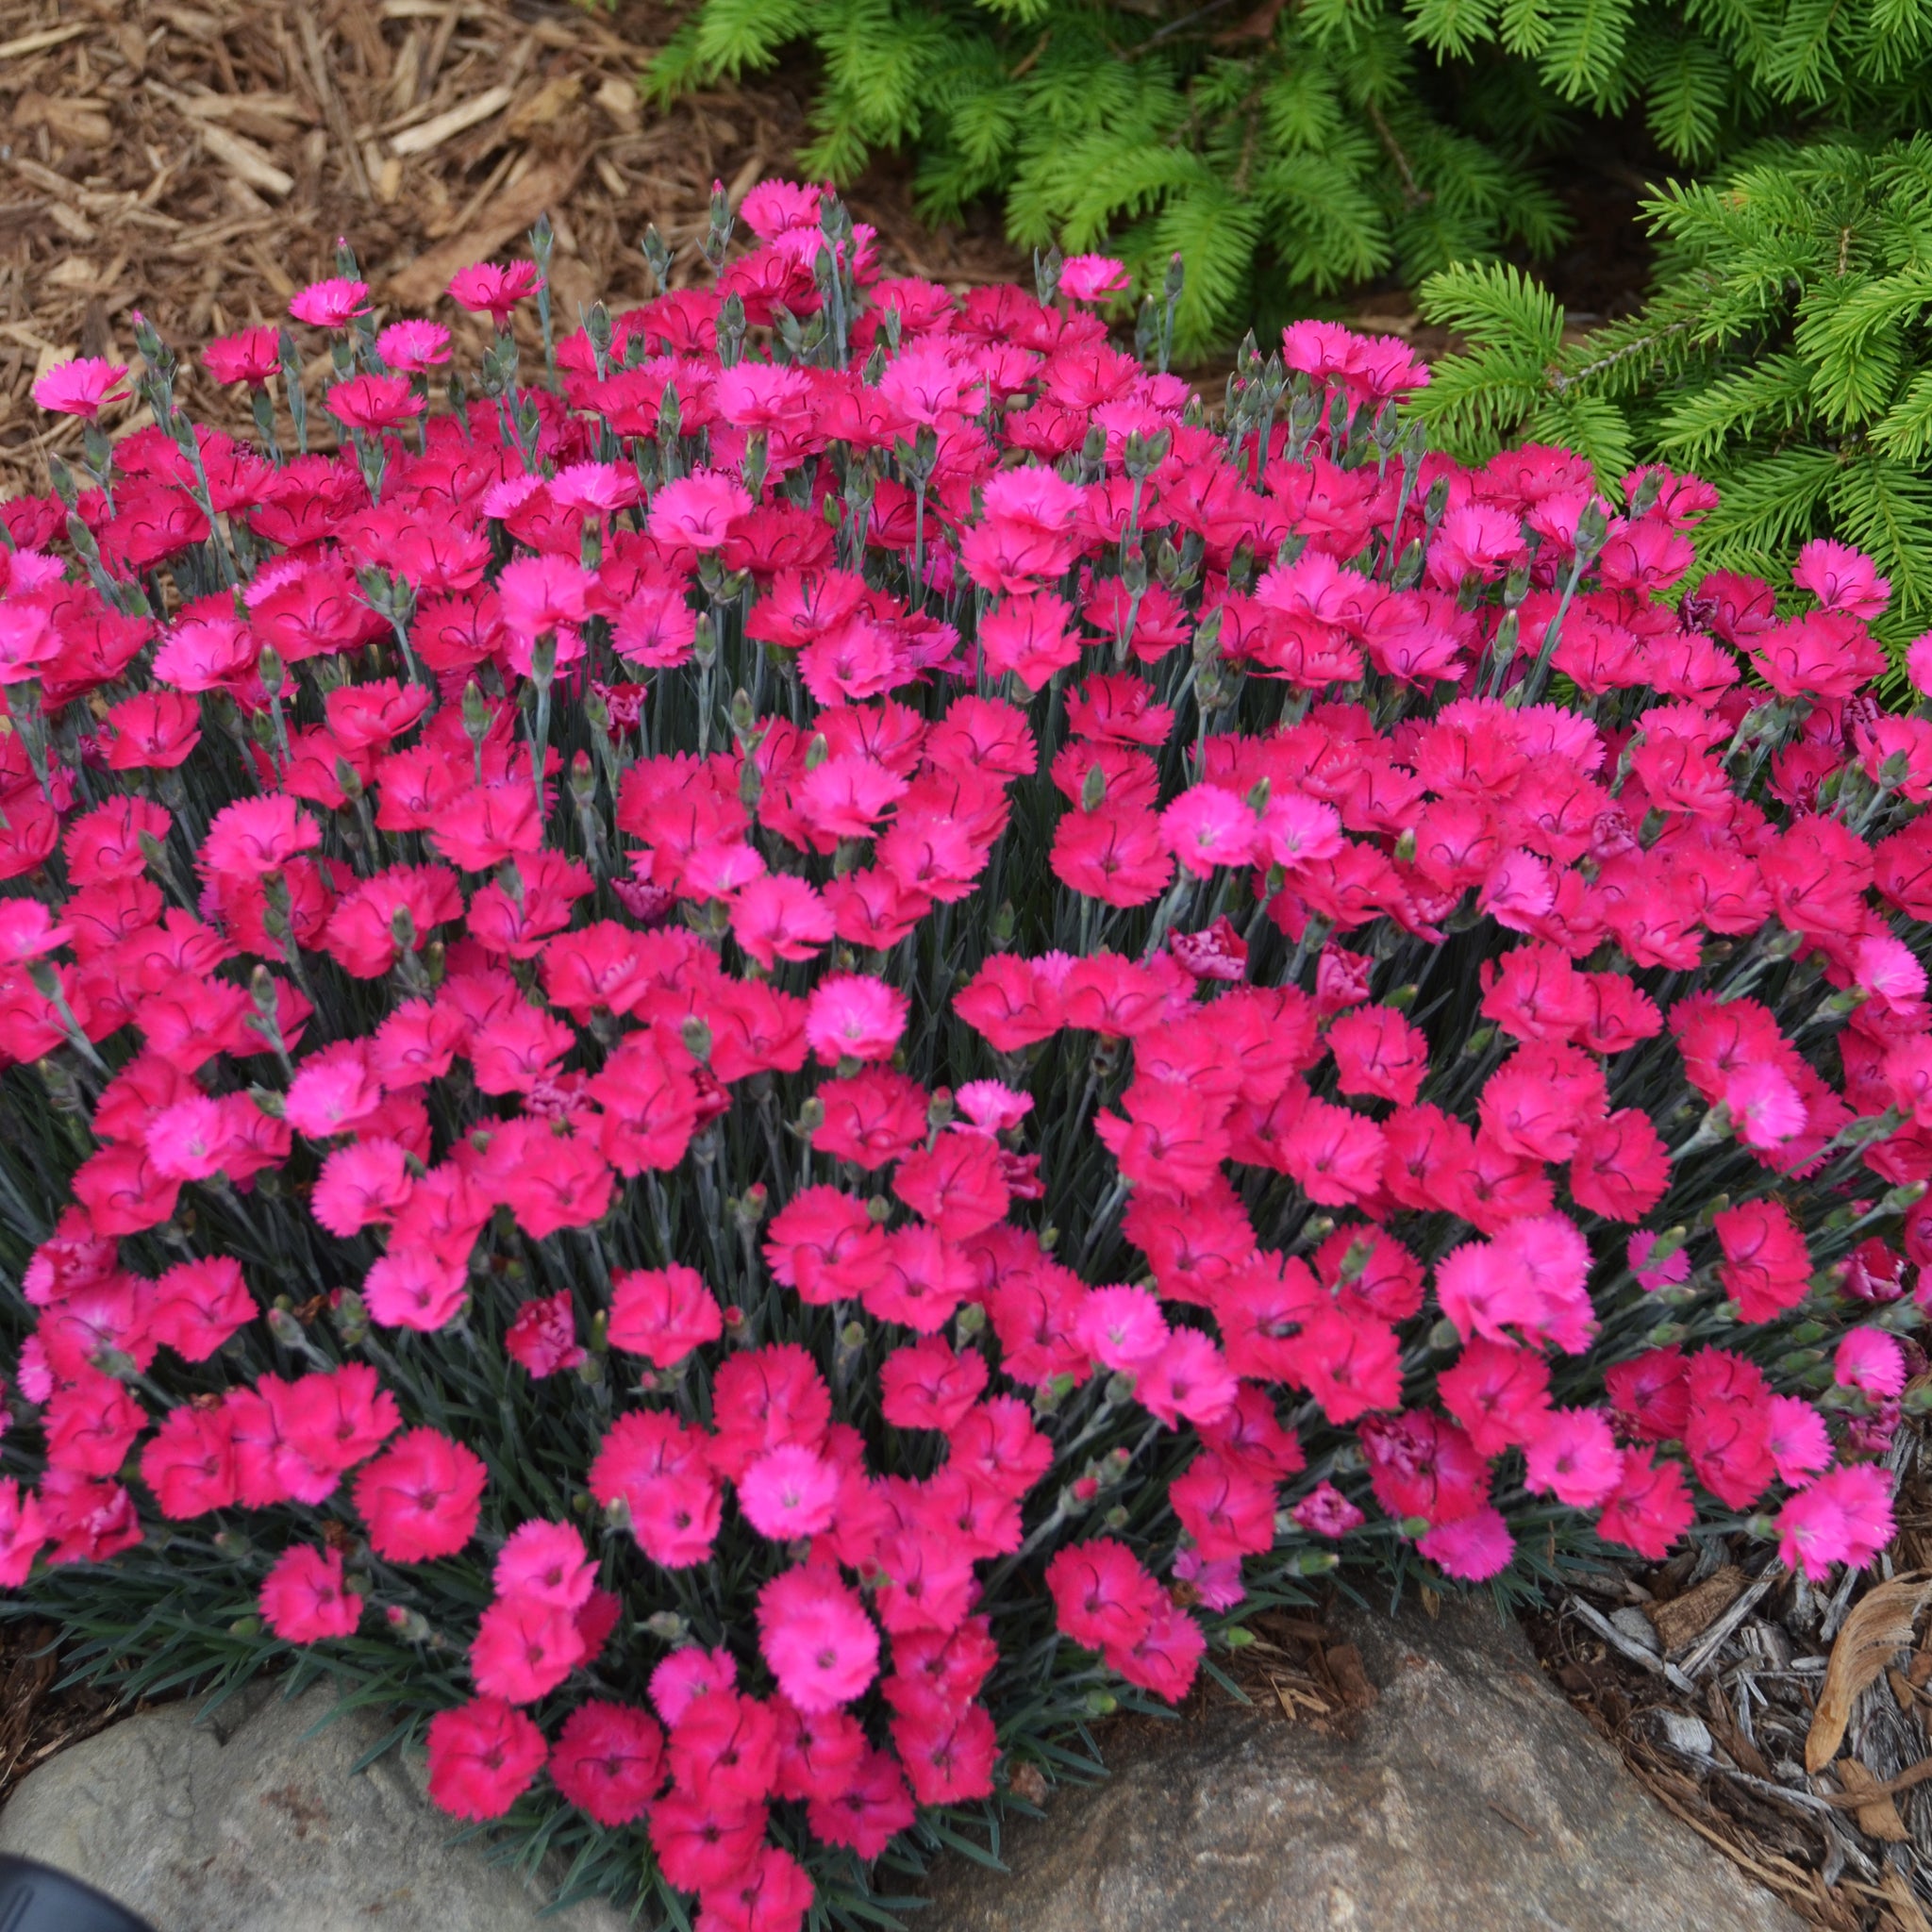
(1470, 1798)
(245, 1824)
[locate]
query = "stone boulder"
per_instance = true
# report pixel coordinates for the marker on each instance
(247, 1824)
(1467, 1796)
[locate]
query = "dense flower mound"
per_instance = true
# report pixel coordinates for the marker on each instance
(757, 1070)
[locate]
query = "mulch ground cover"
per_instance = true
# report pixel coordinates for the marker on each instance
(197, 162)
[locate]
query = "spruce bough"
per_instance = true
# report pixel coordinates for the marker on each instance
(1290, 152)
(1784, 354)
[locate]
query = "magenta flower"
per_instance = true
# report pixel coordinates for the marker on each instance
(413, 347)
(372, 403)
(333, 304)
(1092, 278)
(1574, 1458)
(82, 387)
(1844, 1517)
(302, 1597)
(1870, 1361)
(814, 1633)
(495, 288)
(788, 1492)
(250, 356)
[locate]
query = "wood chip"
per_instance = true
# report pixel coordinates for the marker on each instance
(1345, 1663)
(1686, 1618)
(544, 106)
(453, 121)
(505, 218)
(1297, 1697)
(190, 20)
(1901, 1692)
(243, 159)
(618, 97)
(79, 123)
(315, 45)
(1878, 1816)
(1880, 1625)
(47, 37)
(1898, 1893)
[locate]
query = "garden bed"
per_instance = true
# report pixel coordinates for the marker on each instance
(202, 165)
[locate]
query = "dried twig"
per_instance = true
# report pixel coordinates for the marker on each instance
(1717, 1635)
(1628, 1646)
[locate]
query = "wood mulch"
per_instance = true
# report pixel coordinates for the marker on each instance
(196, 159)
(39, 1715)
(1710, 1698)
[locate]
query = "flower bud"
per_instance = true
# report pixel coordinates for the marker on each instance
(412, 1626)
(583, 780)
(1049, 1395)
(283, 1325)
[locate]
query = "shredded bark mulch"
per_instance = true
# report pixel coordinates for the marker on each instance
(196, 159)
(1722, 1679)
(39, 1715)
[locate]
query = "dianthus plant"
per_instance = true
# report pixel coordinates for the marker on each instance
(752, 1073)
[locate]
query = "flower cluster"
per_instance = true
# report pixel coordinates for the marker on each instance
(787, 1055)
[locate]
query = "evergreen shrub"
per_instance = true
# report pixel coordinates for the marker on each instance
(1292, 151)
(1785, 354)
(755, 1069)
